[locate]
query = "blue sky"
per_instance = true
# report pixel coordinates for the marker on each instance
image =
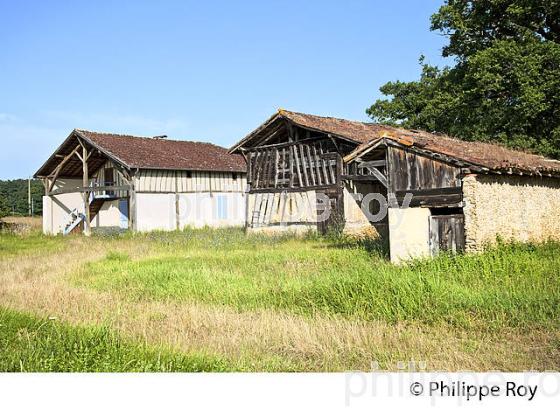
(197, 70)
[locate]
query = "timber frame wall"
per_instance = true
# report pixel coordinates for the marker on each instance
(91, 159)
(291, 158)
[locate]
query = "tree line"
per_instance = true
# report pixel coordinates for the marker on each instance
(14, 197)
(503, 85)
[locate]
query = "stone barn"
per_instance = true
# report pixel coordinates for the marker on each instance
(101, 180)
(419, 192)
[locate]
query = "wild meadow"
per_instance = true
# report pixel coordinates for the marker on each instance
(219, 300)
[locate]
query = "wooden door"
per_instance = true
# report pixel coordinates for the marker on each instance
(335, 204)
(447, 233)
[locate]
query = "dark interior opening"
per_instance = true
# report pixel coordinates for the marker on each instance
(447, 211)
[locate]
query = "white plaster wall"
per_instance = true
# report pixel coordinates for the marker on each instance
(56, 209)
(202, 209)
(109, 215)
(409, 233)
(155, 212)
(356, 222)
(159, 211)
(47, 212)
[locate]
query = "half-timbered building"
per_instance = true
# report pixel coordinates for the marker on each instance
(101, 180)
(419, 192)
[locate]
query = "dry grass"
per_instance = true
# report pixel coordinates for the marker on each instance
(261, 339)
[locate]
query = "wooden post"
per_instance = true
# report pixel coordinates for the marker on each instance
(87, 222)
(177, 207)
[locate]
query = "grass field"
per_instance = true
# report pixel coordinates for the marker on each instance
(217, 300)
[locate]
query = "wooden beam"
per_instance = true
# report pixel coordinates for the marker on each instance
(61, 191)
(276, 161)
(87, 221)
(302, 153)
(59, 168)
(359, 178)
(317, 166)
(297, 164)
(377, 163)
(293, 189)
(324, 167)
(380, 177)
(311, 170)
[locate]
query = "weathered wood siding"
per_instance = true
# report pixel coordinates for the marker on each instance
(410, 171)
(447, 233)
(282, 208)
(99, 179)
(294, 166)
(162, 181)
(431, 182)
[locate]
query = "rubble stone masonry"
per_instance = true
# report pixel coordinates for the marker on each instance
(519, 208)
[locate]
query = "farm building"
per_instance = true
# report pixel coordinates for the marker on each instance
(420, 192)
(100, 180)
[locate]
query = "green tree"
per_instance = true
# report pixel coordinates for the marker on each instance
(504, 86)
(4, 207)
(14, 194)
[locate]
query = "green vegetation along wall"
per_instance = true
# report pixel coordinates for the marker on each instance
(14, 199)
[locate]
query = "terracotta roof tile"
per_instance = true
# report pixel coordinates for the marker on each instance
(492, 156)
(151, 153)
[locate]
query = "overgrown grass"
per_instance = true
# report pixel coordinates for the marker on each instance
(13, 244)
(512, 285)
(29, 344)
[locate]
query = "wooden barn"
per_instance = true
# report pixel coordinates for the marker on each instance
(101, 180)
(419, 192)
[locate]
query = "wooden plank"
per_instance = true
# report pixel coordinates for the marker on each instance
(331, 166)
(297, 164)
(265, 169)
(317, 166)
(376, 163)
(291, 174)
(311, 169)
(293, 189)
(359, 178)
(276, 161)
(249, 161)
(302, 153)
(431, 191)
(258, 162)
(324, 166)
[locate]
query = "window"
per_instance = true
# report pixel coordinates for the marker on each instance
(221, 207)
(234, 176)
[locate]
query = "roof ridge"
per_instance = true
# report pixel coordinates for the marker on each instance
(282, 110)
(150, 138)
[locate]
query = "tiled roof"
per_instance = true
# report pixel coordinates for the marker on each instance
(491, 156)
